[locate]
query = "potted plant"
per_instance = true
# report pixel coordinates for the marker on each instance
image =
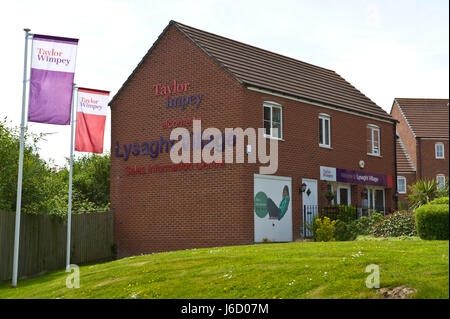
(330, 196)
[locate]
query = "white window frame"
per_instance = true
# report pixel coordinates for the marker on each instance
(273, 105)
(438, 177)
(325, 119)
(436, 150)
(374, 128)
(403, 178)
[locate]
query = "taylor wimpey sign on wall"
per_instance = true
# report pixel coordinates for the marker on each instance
(180, 101)
(353, 177)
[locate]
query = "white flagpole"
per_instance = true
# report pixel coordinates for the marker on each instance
(69, 209)
(20, 173)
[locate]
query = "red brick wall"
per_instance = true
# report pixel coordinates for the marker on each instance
(430, 166)
(180, 210)
(422, 153)
(176, 210)
(301, 157)
(410, 179)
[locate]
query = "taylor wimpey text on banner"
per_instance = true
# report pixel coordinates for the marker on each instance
(51, 82)
(91, 117)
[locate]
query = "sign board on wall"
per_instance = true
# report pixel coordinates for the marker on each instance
(354, 177)
(272, 208)
(327, 173)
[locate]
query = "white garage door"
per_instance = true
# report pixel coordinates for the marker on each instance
(272, 208)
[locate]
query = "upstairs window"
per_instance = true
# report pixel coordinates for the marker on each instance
(401, 185)
(439, 150)
(273, 120)
(373, 140)
(324, 130)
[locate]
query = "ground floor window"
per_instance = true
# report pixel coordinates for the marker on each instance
(401, 184)
(440, 179)
(375, 199)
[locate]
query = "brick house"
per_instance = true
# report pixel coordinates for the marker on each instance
(422, 141)
(331, 137)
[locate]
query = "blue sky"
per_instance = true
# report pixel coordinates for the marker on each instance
(386, 49)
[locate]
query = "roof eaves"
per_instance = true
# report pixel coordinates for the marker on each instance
(406, 120)
(406, 153)
(206, 52)
(386, 118)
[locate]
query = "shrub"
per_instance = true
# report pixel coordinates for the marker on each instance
(438, 201)
(432, 221)
(444, 191)
(324, 229)
(349, 231)
(343, 231)
(422, 192)
(363, 225)
(397, 224)
(340, 212)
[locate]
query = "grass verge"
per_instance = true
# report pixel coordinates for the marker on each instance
(291, 270)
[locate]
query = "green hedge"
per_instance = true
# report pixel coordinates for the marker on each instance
(432, 221)
(438, 201)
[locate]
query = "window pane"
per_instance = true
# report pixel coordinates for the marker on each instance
(439, 150)
(276, 114)
(401, 184)
(370, 197)
(369, 140)
(376, 141)
(379, 200)
(267, 127)
(320, 131)
(266, 113)
(276, 129)
(441, 181)
(327, 132)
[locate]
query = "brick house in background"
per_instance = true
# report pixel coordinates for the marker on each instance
(422, 141)
(330, 137)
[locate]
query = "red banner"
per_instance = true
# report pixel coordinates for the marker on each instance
(91, 118)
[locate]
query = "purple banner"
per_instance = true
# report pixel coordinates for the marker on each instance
(358, 177)
(51, 84)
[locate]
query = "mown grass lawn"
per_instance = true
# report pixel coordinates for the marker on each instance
(291, 270)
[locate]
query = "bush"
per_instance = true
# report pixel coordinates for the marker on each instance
(438, 201)
(350, 230)
(395, 225)
(423, 192)
(343, 231)
(363, 225)
(432, 221)
(340, 212)
(324, 229)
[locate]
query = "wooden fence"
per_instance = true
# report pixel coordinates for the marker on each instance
(43, 242)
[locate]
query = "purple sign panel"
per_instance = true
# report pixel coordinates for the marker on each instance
(358, 177)
(51, 83)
